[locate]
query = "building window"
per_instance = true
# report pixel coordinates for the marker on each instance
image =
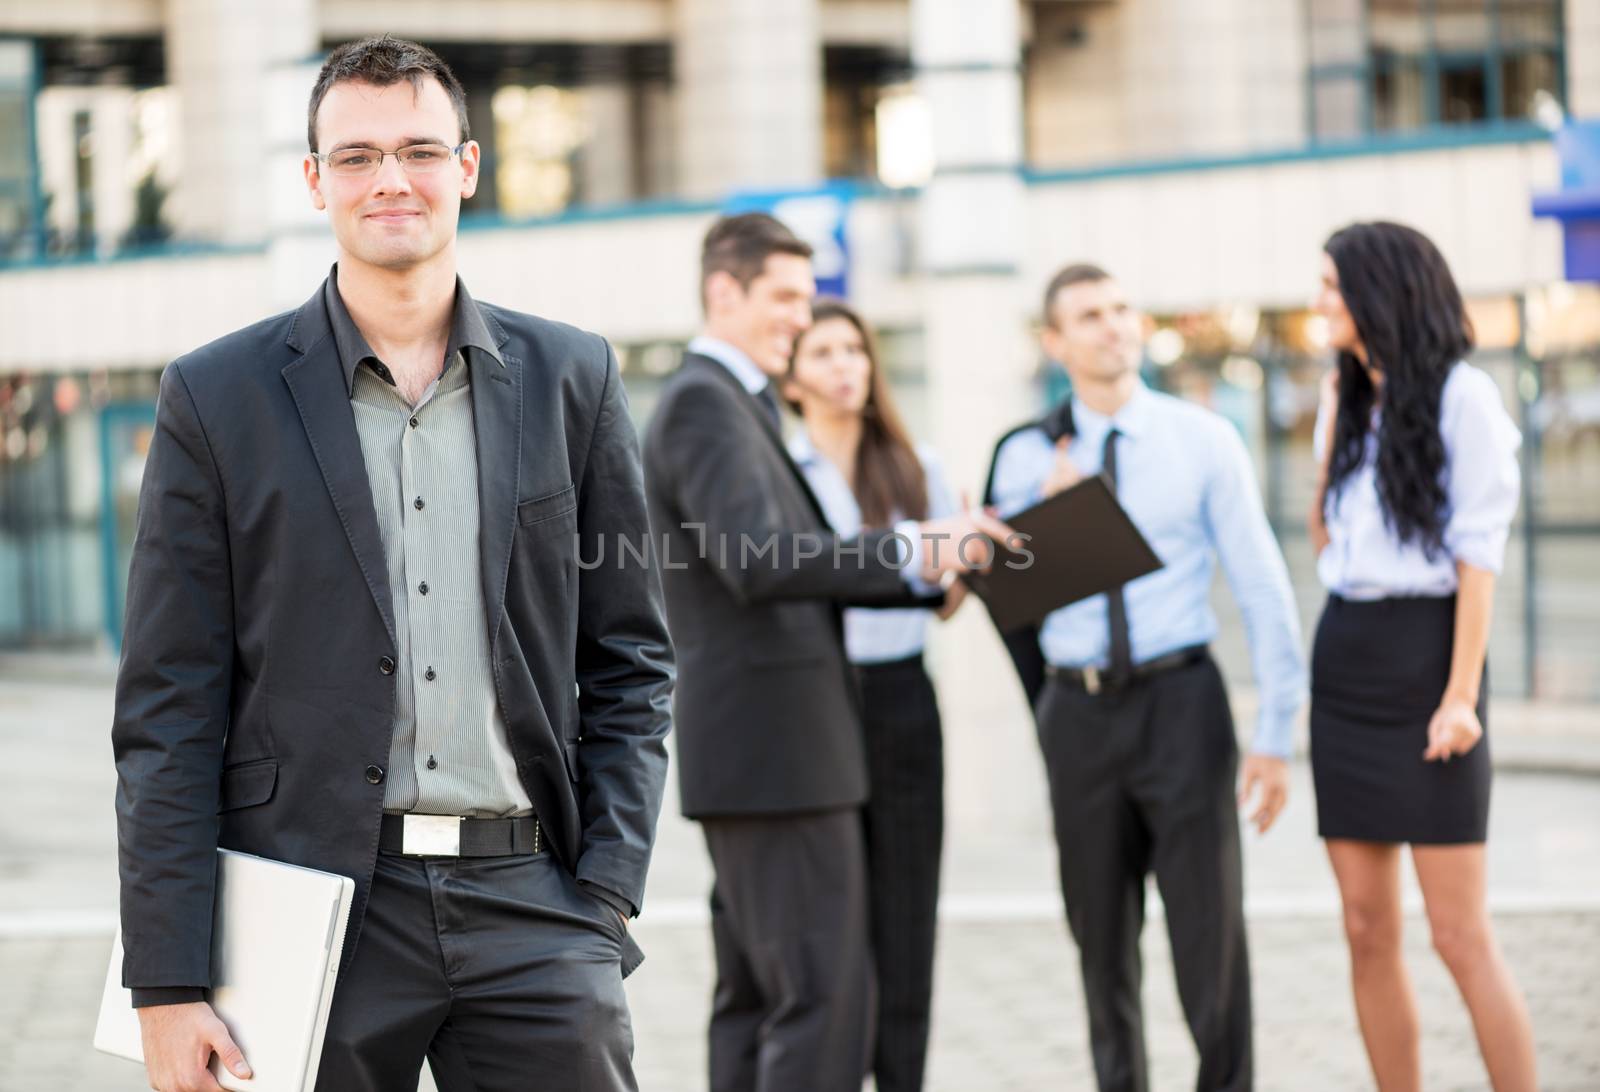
(1386, 66)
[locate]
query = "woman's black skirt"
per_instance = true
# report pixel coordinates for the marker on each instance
(1378, 670)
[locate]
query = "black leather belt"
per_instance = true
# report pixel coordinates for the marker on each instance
(456, 836)
(1092, 680)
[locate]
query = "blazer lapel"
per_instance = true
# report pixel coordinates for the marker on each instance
(497, 419)
(317, 383)
(757, 417)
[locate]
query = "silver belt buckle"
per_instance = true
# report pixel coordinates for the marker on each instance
(430, 836)
(1091, 679)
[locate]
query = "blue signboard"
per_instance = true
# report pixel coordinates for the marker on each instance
(1577, 203)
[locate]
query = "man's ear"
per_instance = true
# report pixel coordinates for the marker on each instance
(722, 291)
(1050, 342)
(314, 183)
(471, 165)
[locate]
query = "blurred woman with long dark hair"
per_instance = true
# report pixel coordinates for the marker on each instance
(861, 464)
(1420, 482)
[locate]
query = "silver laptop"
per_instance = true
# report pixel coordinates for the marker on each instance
(275, 947)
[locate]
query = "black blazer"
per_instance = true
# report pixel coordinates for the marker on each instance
(765, 710)
(255, 701)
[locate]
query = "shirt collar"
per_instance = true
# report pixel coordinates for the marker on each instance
(1131, 420)
(468, 328)
(802, 450)
(745, 370)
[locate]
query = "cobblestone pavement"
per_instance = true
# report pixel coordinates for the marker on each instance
(1009, 1015)
(1008, 1010)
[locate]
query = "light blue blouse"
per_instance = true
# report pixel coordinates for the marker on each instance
(871, 636)
(1364, 560)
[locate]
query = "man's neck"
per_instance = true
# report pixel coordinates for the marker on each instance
(405, 315)
(838, 437)
(1104, 396)
(732, 339)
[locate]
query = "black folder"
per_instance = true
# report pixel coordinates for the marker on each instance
(1081, 543)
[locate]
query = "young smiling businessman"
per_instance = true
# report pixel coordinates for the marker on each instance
(355, 600)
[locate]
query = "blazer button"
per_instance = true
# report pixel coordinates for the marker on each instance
(386, 665)
(374, 775)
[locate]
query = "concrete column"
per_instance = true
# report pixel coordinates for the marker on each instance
(300, 247)
(606, 162)
(978, 355)
(749, 85)
(223, 57)
(1583, 59)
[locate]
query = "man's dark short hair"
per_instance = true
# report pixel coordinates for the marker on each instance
(740, 245)
(1077, 273)
(384, 62)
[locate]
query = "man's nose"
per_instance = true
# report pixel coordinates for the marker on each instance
(392, 177)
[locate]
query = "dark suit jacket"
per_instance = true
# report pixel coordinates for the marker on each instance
(765, 710)
(1023, 642)
(253, 707)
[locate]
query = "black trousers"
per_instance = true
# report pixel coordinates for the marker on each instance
(501, 970)
(905, 830)
(794, 1001)
(1142, 780)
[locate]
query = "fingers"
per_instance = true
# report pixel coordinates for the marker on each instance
(1438, 741)
(229, 1053)
(991, 526)
(1272, 801)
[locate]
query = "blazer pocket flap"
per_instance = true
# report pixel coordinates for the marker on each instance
(248, 784)
(543, 508)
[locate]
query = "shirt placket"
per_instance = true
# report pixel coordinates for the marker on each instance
(416, 461)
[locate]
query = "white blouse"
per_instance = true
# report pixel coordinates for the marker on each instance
(1364, 559)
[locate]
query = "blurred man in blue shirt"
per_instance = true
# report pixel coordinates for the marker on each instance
(1132, 714)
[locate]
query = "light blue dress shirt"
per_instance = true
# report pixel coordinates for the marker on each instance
(1185, 478)
(871, 636)
(1364, 560)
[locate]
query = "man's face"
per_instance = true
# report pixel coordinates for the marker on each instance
(394, 218)
(1093, 332)
(764, 319)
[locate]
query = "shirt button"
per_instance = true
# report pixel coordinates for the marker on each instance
(422, 588)
(429, 675)
(374, 775)
(419, 503)
(413, 422)
(433, 763)
(386, 665)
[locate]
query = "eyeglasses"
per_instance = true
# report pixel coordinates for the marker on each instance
(415, 159)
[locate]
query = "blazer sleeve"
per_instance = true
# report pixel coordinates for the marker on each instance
(624, 665)
(709, 457)
(172, 701)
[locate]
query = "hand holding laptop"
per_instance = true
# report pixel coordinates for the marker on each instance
(179, 1041)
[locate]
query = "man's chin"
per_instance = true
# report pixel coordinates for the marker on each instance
(393, 255)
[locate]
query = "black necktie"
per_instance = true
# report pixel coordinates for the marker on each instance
(1116, 605)
(769, 402)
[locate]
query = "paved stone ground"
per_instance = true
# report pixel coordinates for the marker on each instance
(1008, 1008)
(1009, 1015)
